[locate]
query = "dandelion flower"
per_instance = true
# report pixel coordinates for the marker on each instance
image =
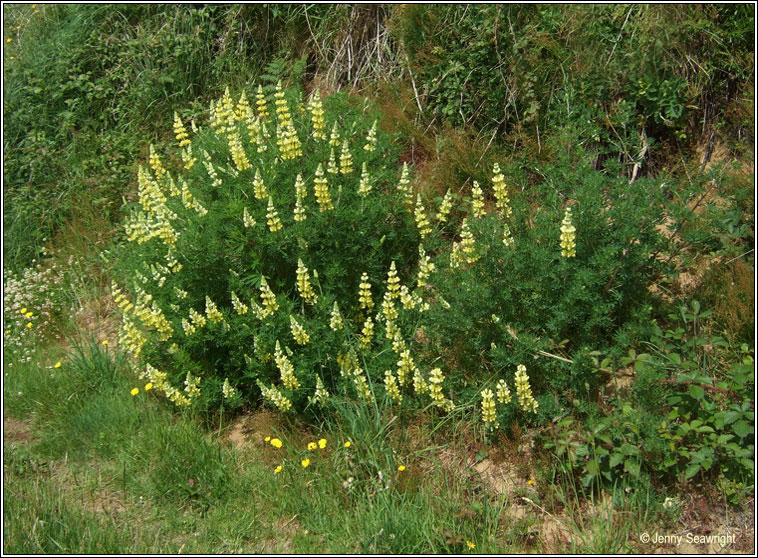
(135, 391)
(322, 443)
(148, 386)
(305, 462)
(347, 444)
(401, 468)
(267, 439)
(276, 442)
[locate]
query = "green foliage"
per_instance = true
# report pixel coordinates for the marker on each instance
(517, 302)
(221, 240)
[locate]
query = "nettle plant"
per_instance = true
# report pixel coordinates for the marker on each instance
(284, 261)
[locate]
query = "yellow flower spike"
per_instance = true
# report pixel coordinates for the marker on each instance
(276, 442)
(321, 188)
(477, 202)
(390, 384)
(401, 468)
(501, 193)
(364, 293)
(568, 236)
(488, 408)
(278, 470)
(298, 332)
(347, 444)
(312, 446)
(322, 443)
(445, 207)
(317, 116)
(305, 462)
(135, 391)
(148, 386)
(272, 217)
(259, 188)
(57, 364)
(424, 227)
(524, 391)
(346, 159)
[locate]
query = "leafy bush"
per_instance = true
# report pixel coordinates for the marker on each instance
(241, 277)
(523, 292)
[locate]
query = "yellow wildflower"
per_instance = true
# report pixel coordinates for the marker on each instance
(335, 321)
(347, 444)
(346, 159)
(371, 139)
(478, 200)
(424, 227)
(29, 325)
(322, 443)
(568, 236)
(524, 391)
(135, 391)
(470, 545)
(276, 442)
(305, 462)
(272, 217)
(29, 314)
(57, 364)
(488, 408)
(259, 188)
(364, 187)
(278, 470)
(312, 446)
(298, 332)
(390, 384)
(364, 293)
(317, 116)
(321, 188)
(445, 207)
(401, 468)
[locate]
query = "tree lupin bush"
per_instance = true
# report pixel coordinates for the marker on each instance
(252, 273)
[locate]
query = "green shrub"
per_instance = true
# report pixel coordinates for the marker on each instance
(206, 250)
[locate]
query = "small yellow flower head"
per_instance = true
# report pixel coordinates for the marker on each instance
(488, 408)
(334, 138)
(267, 439)
(305, 462)
(227, 390)
(135, 391)
(404, 186)
(180, 131)
(261, 104)
(104, 342)
(424, 227)
(298, 332)
(272, 217)
(238, 153)
(347, 444)
(390, 384)
(29, 314)
(321, 394)
(367, 333)
(445, 207)
(530, 482)
(317, 116)
(470, 545)
(364, 186)
(278, 469)
(23, 310)
(568, 236)
(57, 364)
(276, 442)
(401, 468)
(286, 369)
(331, 166)
(335, 322)
(312, 446)
(29, 325)
(364, 293)
(503, 393)
(507, 236)
(393, 281)
(502, 203)
(477, 202)
(239, 306)
(148, 386)
(212, 311)
(524, 390)
(468, 246)
(259, 188)
(268, 297)
(304, 284)
(371, 139)
(322, 443)
(323, 198)
(346, 159)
